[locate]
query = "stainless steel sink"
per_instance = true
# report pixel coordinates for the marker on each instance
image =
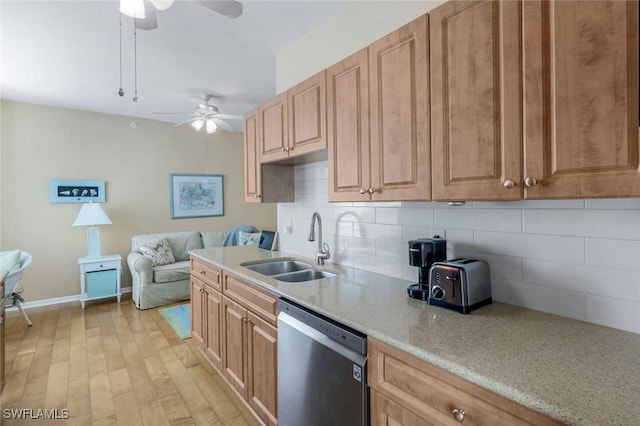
(308, 275)
(277, 266)
(289, 270)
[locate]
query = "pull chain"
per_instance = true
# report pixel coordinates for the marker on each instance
(206, 154)
(135, 63)
(121, 91)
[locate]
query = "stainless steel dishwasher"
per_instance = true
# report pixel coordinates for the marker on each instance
(322, 370)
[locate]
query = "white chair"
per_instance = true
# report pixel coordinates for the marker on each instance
(13, 279)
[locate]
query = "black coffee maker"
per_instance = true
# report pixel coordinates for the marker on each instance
(423, 252)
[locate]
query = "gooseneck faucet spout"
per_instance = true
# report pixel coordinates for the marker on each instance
(323, 248)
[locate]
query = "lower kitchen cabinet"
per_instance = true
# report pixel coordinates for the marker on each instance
(234, 323)
(234, 343)
(205, 319)
(409, 391)
(262, 361)
(386, 412)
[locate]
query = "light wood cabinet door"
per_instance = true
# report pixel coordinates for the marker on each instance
(213, 317)
(348, 128)
(197, 312)
(234, 359)
(262, 357)
(252, 174)
(308, 116)
(399, 108)
(581, 99)
(476, 106)
(273, 131)
(386, 412)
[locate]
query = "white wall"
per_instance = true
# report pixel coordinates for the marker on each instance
(575, 258)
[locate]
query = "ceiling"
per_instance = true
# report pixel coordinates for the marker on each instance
(67, 54)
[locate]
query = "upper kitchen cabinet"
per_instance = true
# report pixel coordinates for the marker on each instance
(388, 157)
(348, 125)
(252, 173)
(279, 178)
(476, 102)
(562, 125)
(581, 99)
(273, 129)
(294, 122)
(308, 115)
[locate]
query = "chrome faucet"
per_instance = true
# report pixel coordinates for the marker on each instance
(323, 248)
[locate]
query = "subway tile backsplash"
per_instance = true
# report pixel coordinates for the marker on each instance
(575, 258)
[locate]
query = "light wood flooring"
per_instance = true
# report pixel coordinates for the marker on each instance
(112, 364)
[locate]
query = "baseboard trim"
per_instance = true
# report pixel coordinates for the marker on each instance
(54, 301)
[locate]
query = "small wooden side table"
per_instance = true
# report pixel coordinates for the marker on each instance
(100, 277)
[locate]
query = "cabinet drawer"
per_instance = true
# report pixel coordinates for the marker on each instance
(208, 273)
(433, 393)
(259, 301)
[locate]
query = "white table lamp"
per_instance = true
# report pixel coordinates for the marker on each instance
(92, 214)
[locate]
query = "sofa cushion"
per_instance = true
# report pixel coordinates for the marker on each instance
(249, 238)
(173, 272)
(158, 251)
(180, 242)
(213, 238)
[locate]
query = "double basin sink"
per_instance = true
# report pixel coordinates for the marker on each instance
(288, 270)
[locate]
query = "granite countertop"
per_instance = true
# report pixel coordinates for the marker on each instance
(574, 371)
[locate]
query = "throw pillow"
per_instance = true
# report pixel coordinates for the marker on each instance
(158, 251)
(249, 238)
(10, 260)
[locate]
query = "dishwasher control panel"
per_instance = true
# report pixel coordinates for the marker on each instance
(343, 334)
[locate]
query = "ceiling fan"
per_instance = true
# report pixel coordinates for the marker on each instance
(207, 116)
(144, 11)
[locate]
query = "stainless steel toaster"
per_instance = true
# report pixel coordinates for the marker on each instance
(460, 284)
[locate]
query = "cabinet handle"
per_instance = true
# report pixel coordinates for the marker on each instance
(509, 184)
(530, 181)
(289, 149)
(202, 272)
(244, 320)
(371, 190)
(363, 191)
(458, 415)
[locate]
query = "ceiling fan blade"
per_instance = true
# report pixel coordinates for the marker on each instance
(186, 121)
(226, 125)
(175, 113)
(230, 116)
(149, 22)
(228, 8)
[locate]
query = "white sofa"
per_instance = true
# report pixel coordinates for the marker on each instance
(153, 286)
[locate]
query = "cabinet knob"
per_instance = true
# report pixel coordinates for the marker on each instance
(289, 149)
(202, 272)
(509, 184)
(530, 181)
(363, 191)
(371, 190)
(458, 415)
(284, 149)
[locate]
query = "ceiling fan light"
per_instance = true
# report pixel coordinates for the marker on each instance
(133, 8)
(162, 4)
(211, 126)
(197, 124)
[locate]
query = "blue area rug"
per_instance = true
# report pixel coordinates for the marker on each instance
(179, 318)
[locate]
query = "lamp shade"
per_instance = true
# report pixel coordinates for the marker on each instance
(91, 214)
(133, 8)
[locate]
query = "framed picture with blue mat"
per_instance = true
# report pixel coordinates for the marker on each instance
(179, 318)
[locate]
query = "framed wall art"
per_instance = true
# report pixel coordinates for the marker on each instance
(196, 195)
(77, 191)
